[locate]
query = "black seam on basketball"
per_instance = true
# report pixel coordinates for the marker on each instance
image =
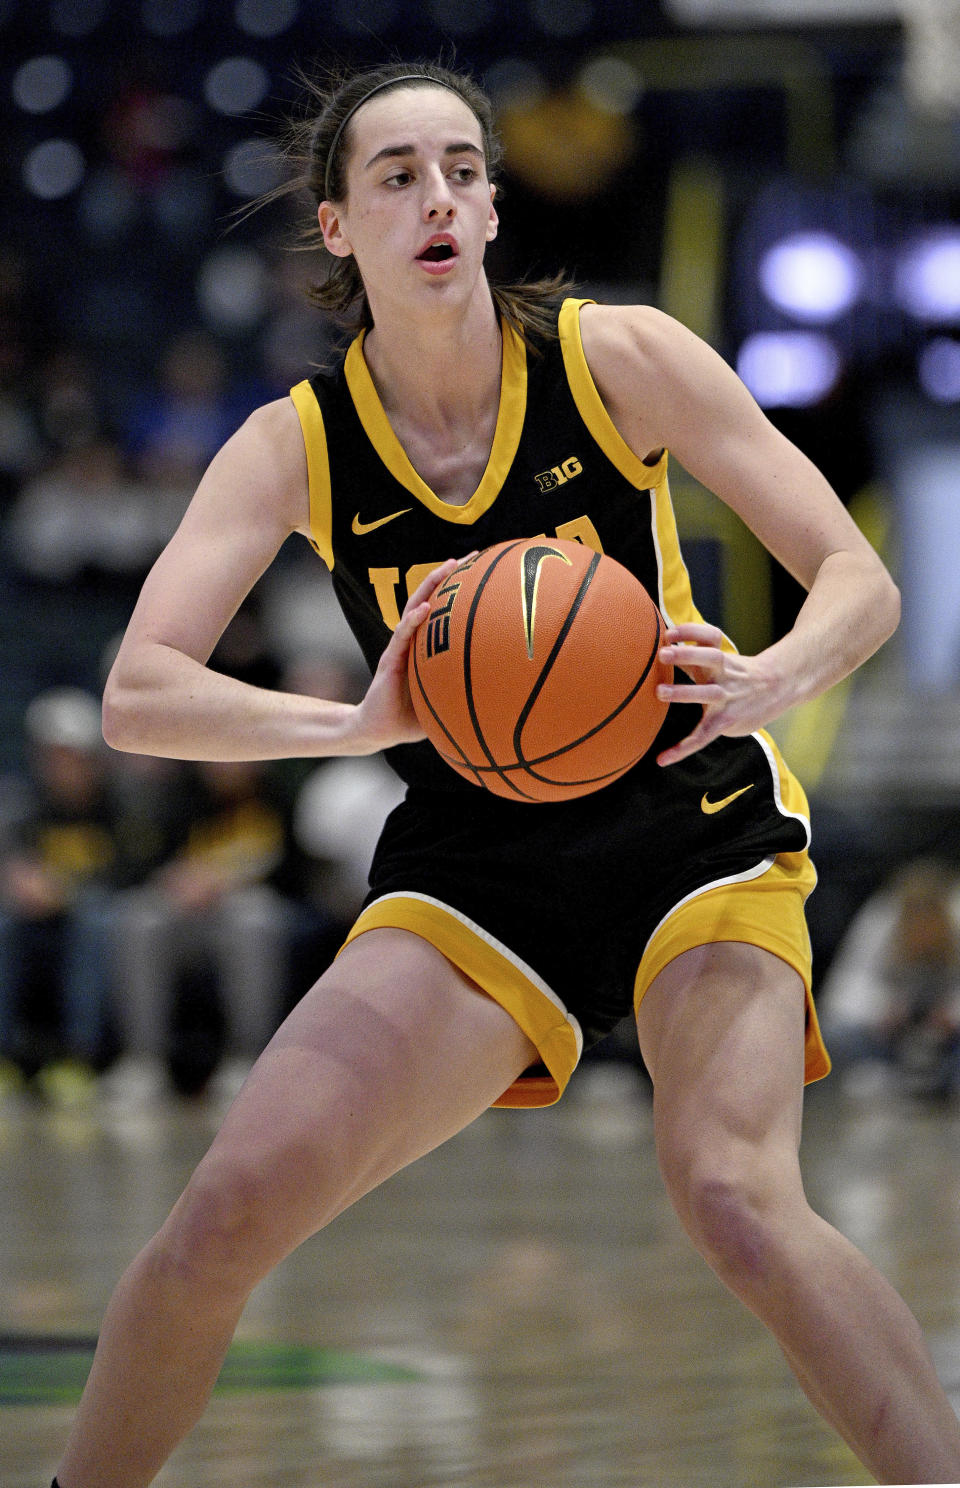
(520, 766)
(541, 759)
(494, 768)
(436, 716)
(555, 650)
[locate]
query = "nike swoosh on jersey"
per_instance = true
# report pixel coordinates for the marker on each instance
(708, 807)
(359, 528)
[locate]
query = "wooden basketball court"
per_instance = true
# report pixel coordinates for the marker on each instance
(520, 1310)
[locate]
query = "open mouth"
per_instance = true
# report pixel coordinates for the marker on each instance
(436, 253)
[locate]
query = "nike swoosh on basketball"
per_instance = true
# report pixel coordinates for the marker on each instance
(360, 528)
(708, 807)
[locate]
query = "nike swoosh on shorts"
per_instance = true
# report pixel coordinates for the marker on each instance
(709, 807)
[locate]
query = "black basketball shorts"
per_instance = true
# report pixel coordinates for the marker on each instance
(565, 913)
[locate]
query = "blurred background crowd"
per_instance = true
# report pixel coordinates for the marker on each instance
(782, 175)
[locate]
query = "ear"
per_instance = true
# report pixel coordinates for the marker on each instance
(493, 221)
(332, 229)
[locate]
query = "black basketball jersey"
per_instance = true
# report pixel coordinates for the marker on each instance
(558, 468)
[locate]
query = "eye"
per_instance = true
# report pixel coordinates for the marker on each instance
(464, 174)
(399, 178)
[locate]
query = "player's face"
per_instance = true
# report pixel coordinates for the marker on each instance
(419, 208)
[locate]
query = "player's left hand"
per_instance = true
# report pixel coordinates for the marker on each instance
(738, 693)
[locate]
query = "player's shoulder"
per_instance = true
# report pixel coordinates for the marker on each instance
(637, 337)
(269, 434)
(264, 460)
(639, 353)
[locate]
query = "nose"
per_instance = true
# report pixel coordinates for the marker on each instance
(438, 199)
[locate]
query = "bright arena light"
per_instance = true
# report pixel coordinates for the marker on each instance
(927, 280)
(236, 85)
(938, 368)
(249, 168)
(53, 169)
(232, 289)
(812, 276)
(41, 84)
(789, 369)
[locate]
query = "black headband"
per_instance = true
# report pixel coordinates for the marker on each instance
(406, 77)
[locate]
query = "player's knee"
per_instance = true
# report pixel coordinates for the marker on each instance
(729, 1228)
(223, 1230)
(728, 1216)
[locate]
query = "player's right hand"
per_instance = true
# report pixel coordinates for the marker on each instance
(385, 716)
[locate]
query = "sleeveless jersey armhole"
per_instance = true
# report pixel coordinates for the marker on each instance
(676, 596)
(318, 469)
(591, 408)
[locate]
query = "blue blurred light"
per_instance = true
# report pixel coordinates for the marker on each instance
(42, 84)
(53, 169)
(938, 368)
(235, 85)
(927, 279)
(813, 276)
(250, 168)
(233, 289)
(789, 369)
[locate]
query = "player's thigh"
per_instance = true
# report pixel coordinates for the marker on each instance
(389, 1054)
(722, 1032)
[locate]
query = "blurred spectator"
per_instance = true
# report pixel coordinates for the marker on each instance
(60, 860)
(68, 400)
(890, 1004)
(174, 432)
(340, 810)
(85, 516)
(21, 444)
(208, 943)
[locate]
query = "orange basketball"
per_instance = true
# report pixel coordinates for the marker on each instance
(535, 672)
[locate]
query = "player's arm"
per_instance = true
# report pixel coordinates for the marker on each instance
(161, 696)
(664, 387)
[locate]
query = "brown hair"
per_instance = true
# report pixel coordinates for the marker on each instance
(316, 147)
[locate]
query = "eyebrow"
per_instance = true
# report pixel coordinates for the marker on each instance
(394, 152)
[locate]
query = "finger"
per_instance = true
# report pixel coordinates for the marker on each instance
(697, 633)
(706, 693)
(705, 657)
(395, 652)
(703, 734)
(433, 580)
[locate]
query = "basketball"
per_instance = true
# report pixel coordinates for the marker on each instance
(535, 672)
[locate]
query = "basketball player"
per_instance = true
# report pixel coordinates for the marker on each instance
(499, 935)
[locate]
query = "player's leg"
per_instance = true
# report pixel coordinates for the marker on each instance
(390, 1053)
(721, 1029)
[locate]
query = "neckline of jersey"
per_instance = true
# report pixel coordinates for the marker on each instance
(506, 438)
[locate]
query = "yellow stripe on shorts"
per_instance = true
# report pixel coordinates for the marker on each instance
(762, 907)
(501, 975)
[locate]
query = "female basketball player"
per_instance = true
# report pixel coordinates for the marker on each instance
(468, 978)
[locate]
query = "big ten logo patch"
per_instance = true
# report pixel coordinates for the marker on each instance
(558, 475)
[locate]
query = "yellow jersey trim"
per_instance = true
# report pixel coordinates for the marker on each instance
(506, 438)
(318, 469)
(501, 976)
(591, 407)
(675, 598)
